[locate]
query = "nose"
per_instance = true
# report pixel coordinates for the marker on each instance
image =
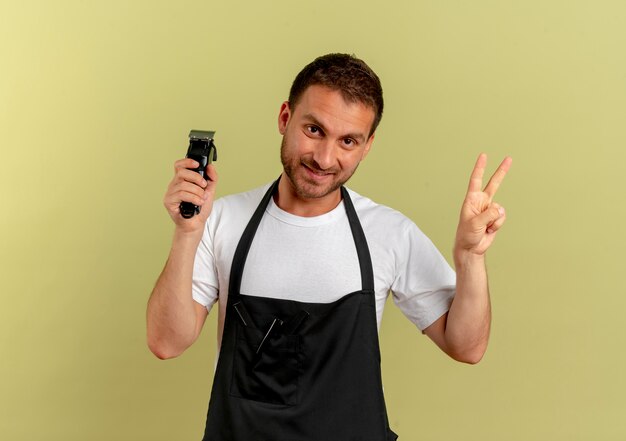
(324, 154)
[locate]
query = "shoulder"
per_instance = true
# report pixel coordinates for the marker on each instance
(380, 218)
(388, 231)
(242, 204)
(231, 213)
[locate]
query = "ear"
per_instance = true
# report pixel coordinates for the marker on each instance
(368, 145)
(283, 117)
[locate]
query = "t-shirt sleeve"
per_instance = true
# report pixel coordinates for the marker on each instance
(425, 283)
(204, 282)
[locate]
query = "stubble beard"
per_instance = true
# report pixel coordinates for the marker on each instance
(304, 188)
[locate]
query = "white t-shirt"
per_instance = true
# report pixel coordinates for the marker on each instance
(314, 259)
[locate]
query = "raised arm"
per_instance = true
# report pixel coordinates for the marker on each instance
(463, 332)
(174, 319)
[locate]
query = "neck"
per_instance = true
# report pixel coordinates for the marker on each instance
(288, 200)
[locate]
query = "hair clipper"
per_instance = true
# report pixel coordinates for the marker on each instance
(202, 150)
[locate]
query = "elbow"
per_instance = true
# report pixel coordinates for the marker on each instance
(163, 354)
(162, 350)
(470, 358)
(469, 355)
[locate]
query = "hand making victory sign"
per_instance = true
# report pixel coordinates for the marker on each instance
(463, 332)
(481, 218)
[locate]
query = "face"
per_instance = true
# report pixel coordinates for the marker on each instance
(324, 140)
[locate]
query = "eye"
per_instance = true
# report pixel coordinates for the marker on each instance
(314, 130)
(349, 142)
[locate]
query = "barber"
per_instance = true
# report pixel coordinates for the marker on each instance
(301, 268)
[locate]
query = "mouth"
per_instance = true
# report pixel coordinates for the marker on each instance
(316, 174)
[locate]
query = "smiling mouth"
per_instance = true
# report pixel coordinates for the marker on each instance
(316, 173)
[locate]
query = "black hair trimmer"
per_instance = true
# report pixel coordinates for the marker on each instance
(202, 150)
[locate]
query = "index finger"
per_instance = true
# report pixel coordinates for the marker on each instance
(498, 177)
(185, 163)
(476, 179)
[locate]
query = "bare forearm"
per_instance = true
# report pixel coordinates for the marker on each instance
(469, 318)
(464, 332)
(171, 316)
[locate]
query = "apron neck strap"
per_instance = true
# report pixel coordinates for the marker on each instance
(365, 260)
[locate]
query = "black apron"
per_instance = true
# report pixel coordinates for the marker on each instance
(296, 371)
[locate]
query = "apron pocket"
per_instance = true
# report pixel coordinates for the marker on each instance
(272, 375)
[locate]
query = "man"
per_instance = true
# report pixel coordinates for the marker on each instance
(301, 269)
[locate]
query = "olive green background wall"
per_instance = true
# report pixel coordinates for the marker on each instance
(97, 99)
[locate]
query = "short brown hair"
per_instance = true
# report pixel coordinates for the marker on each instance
(346, 74)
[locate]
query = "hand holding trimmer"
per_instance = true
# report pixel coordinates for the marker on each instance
(203, 150)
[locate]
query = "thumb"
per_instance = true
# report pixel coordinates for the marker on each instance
(490, 215)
